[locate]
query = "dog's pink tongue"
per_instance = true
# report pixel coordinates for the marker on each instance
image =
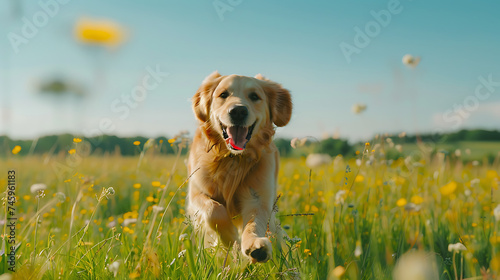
(237, 136)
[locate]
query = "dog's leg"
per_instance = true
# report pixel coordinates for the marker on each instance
(214, 215)
(256, 213)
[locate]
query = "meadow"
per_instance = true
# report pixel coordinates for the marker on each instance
(365, 217)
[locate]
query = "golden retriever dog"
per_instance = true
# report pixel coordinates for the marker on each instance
(234, 161)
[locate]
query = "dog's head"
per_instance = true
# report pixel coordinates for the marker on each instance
(240, 111)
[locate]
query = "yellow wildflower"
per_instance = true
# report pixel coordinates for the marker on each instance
(99, 32)
(16, 150)
(417, 199)
(448, 188)
(401, 202)
(359, 179)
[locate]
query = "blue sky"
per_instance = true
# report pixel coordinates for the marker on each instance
(295, 43)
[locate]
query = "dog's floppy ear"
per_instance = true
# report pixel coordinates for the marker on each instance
(280, 101)
(203, 97)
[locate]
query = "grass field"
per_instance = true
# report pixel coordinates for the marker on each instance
(351, 219)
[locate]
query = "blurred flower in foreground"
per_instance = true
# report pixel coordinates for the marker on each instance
(358, 251)
(61, 197)
(411, 61)
(6, 276)
(317, 160)
(412, 207)
(35, 188)
(99, 32)
(448, 188)
(457, 247)
(183, 237)
(16, 150)
(339, 197)
(358, 108)
(415, 265)
(128, 222)
(296, 142)
(113, 268)
(338, 271)
(496, 213)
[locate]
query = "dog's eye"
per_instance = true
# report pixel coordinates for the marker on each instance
(253, 96)
(224, 95)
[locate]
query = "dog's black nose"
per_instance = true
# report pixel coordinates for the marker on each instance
(238, 114)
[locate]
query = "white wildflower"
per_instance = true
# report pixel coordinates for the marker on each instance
(411, 61)
(316, 160)
(181, 254)
(113, 268)
(458, 152)
(412, 207)
(496, 212)
(157, 208)
(415, 265)
(183, 236)
(475, 182)
(35, 188)
(475, 163)
(339, 197)
(296, 142)
(127, 222)
(6, 276)
(61, 197)
(295, 240)
(110, 191)
(358, 251)
(358, 108)
(399, 148)
(457, 247)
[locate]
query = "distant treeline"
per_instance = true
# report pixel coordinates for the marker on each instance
(107, 144)
(461, 135)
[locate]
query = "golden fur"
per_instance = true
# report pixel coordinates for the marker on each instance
(231, 193)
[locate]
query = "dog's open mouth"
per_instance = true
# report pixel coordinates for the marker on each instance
(237, 137)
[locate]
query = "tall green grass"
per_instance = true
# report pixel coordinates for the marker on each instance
(351, 219)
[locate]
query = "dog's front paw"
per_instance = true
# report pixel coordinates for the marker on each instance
(258, 249)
